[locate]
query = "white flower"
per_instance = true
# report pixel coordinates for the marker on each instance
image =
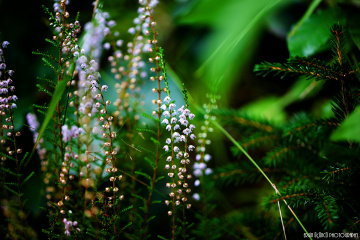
(196, 196)
(197, 182)
(182, 138)
(168, 141)
(191, 147)
(186, 111)
(208, 171)
(207, 157)
(179, 155)
(173, 120)
(172, 106)
(176, 134)
(167, 99)
(166, 114)
(165, 121)
(168, 127)
(197, 172)
(186, 131)
(182, 116)
(192, 136)
(184, 122)
(166, 147)
(199, 165)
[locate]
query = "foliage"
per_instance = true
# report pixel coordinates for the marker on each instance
(149, 120)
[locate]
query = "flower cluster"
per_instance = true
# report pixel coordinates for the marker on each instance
(67, 33)
(94, 34)
(69, 226)
(202, 158)
(177, 123)
(7, 102)
(133, 71)
(72, 133)
(41, 150)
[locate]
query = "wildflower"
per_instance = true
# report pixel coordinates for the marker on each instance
(208, 171)
(166, 114)
(167, 99)
(32, 121)
(196, 196)
(197, 183)
(173, 120)
(104, 88)
(197, 172)
(5, 44)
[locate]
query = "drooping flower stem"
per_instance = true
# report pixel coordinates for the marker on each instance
(157, 158)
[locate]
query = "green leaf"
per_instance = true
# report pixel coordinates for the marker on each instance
(349, 129)
(269, 108)
(235, 26)
(60, 88)
(305, 41)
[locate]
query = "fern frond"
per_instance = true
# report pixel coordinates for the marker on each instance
(307, 67)
(42, 89)
(51, 82)
(327, 211)
(155, 120)
(338, 43)
(28, 177)
(8, 171)
(143, 174)
(52, 42)
(146, 130)
(45, 55)
(47, 63)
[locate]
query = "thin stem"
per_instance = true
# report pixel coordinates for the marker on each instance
(158, 69)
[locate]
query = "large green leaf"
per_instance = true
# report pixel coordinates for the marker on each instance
(349, 129)
(313, 34)
(58, 93)
(235, 27)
